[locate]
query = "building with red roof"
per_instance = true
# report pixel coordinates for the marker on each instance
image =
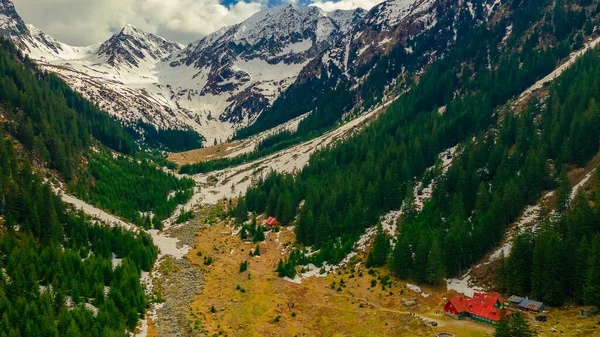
(482, 307)
(457, 307)
(272, 222)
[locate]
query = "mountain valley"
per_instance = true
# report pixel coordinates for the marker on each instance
(306, 173)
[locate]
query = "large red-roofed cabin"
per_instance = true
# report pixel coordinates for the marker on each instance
(482, 307)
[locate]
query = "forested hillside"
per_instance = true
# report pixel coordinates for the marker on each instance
(346, 188)
(328, 98)
(328, 93)
(561, 260)
(139, 191)
(62, 274)
(59, 127)
(49, 119)
(57, 276)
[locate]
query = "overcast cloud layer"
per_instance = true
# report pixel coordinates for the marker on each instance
(85, 22)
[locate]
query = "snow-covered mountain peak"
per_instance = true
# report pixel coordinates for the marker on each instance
(132, 45)
(213, 86)
(11, 23)
(242, 68)
(346, 19)
(293, 19)
(390, 13)
(130, 29)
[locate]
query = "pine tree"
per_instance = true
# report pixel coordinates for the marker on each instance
(564, 191)
(380, 250)
(591, 289)
(435, 267)
(402, 263)
(241, 211)
(519, 326)
(503, 327)
(257, 250)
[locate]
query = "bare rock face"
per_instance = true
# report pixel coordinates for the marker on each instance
(10, 21)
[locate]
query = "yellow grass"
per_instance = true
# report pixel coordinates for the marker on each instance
(308, 309)
(204, 154)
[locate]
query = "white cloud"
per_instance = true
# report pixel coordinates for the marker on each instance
(84, 22)
(329, 6)
(194, 17)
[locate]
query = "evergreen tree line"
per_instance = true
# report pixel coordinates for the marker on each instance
(495, 177)
(56, 263)
(129, 188)
(562, 260)
(49, 119)
(346, 188)
(514, 325)
(264, 148)
(328, 97)
(169, 140)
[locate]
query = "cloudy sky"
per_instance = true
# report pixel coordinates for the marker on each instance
(85, 22)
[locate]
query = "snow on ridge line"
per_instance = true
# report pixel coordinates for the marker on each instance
(560, 69)
(579, 185)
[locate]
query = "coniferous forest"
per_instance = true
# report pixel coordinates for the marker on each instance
(58, 277)
(130, 188)
(504, 162)
(65, 274)
(51, 120)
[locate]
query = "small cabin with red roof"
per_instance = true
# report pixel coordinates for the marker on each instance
(272, 222)
(482, 307)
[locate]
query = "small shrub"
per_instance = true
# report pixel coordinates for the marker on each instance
(277, 319)
(257, 250)
(184, 217)
(243, 266)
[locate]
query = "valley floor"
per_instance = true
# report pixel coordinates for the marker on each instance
(259, 303)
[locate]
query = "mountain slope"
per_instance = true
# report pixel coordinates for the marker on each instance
(80, 277)
(258, 58)
(212, 86)
(131, 46)
(394, 43)
(461, 98)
